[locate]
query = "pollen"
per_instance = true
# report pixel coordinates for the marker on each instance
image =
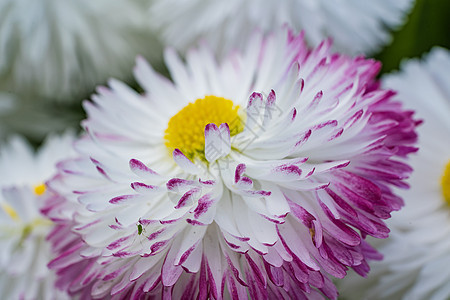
(445, 182)
(186, 129)
(40, 189)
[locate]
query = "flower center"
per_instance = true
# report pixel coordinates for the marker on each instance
(40, 189)
(186, 129)
(445, 182)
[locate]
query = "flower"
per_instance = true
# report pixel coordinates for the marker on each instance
(61, 49)
(356, 27)
(24, 252)
(418, 251)
(256, 176)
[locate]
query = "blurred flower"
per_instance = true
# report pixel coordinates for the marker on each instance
(24, 252)
(356, 26)
(61, 49)
(417, 254)
(241, 178)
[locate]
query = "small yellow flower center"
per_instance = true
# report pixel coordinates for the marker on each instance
(186, 129)
(40, 189)
(445, 182)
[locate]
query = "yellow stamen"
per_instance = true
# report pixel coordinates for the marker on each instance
(445, 182)
(40, 189)
(10, 211)
(186, 129)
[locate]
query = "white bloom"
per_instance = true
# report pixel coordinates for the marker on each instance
(24, 251)
(417, 255)
(241, 177)
(59, 49)
(356, 26)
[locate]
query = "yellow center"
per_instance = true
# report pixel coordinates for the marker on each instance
(186, 129)
(445, 182)
(40, 189)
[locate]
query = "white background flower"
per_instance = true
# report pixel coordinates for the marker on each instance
(61, 49)
(24, 251)
(356, 26)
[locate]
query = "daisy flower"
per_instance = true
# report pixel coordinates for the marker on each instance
(24, 251)
(356, 26)
(62, 48)
(417, 253)
(258, 176)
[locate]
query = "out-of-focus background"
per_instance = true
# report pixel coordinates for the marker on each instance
(428, 25)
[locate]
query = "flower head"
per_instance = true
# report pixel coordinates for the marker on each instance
(356, 27)
(259, 175)
(24, 252)
(61, 49)
(419, 248)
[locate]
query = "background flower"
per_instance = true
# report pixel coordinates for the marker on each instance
(24, 252)
(418, 250)
(61, 49)
(356, 27)
(242, 177)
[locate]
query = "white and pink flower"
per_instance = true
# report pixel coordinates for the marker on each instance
(257, 176)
